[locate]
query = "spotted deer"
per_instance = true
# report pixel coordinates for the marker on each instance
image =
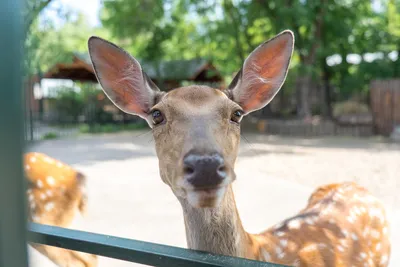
(196, 130)
(56, 196)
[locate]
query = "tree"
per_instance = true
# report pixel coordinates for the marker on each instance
(226, 31)
(393, 16)
(47, 45)
(32, 9)
(147, 25)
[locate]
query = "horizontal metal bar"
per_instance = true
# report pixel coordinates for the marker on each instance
(132, 250)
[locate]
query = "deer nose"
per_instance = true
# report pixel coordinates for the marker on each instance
(204, 170)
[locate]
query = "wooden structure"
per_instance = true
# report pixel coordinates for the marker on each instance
(166, 74)
(170, 73)
(300, 128)
(385, 105)
(80, 69)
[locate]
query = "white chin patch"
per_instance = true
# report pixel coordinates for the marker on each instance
(208, 198)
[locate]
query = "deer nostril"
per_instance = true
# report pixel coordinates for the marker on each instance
(222, 171)
(187, 170)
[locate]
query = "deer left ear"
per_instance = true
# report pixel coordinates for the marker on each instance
(263, 73)
(122, 78)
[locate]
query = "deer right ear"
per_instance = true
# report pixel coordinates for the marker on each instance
(263, 73)
(121, 77)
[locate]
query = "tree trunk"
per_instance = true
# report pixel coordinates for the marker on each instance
(160, 78)
(228, 6)
(282, 101)
(343, 69)
(267, 112)
(307, 62)
(41, 104)
(326, 91)
(303, 90)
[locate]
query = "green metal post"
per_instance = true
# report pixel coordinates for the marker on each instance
(13, 246)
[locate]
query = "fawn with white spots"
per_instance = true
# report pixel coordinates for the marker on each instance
(196, 130)
(56, 196)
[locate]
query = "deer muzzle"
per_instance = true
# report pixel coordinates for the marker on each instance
(205, 178)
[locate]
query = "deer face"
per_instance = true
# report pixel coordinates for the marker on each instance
(197, 136)
(196, 128)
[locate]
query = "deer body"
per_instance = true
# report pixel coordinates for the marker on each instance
(356, 236)
(196, 130)
(56, 196)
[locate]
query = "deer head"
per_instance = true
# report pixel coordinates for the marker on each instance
(196, 128)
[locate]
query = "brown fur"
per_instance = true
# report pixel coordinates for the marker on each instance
(56, 194)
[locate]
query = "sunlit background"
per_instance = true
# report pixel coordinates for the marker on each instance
(337, 117)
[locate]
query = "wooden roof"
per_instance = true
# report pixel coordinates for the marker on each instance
(78, 70)
(178, 70)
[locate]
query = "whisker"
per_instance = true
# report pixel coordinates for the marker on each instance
(252, 149)
(142, 134)
(151, 139)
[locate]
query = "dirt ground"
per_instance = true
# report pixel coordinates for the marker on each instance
(275, 177)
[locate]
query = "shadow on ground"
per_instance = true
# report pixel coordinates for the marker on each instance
(87, 150)
(371, 143)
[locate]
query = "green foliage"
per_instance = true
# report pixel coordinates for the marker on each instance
(95, 107)
(226, 31)
(147, 29)
(111, 128)
(69, 104)
(50, 136)
(31, 11)
(84, 128)
(135, 126)
(393, 18)
(349, 108)
(46, 44)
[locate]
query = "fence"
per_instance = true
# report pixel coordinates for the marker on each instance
(94, 118)
(133, 250)
(385, 105)
(48, 125)
(13, 251)
(314, 128)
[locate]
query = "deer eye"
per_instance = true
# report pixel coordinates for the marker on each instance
(237, 116)
(157, 117)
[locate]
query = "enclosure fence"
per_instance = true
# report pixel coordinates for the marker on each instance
(299, 128)
(385, 105)
(132, 250)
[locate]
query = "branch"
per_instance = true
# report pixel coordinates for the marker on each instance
(34, 12)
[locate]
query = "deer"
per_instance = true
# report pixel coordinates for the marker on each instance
(56, 195)
(196, 131)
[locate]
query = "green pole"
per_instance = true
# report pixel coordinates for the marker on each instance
(13, 246)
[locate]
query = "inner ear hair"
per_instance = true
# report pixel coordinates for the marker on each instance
(158, 97)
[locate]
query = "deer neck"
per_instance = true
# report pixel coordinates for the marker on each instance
(217, 230)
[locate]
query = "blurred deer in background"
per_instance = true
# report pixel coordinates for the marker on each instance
(56, 196)
(197, 132)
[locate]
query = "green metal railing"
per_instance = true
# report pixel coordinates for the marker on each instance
(13, 234)
(132, 250)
